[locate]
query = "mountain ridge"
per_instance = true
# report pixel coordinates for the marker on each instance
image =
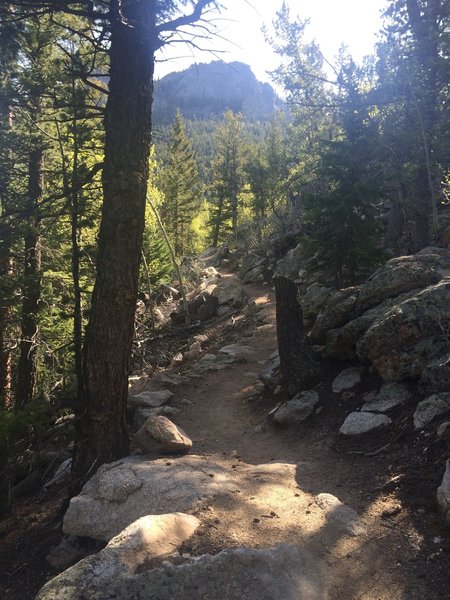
(207, 90)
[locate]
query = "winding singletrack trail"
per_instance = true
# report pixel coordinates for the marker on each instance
(282, 470)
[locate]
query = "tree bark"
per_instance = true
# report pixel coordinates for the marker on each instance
(6, 239)
(297, 364)
(5, 301)
(75, 264)
(27, 368)
(102, 435)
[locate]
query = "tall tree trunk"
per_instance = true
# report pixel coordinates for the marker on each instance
(6, 239)
(297, 364)
(5, 301)
(102, 435)
(26, 383)
(75, 263)
(217, 224)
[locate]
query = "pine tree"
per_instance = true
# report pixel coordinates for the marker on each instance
(344, 235)
(228, 177)
(180, 183)
(413, 68)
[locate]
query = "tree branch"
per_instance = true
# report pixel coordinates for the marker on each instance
(196, 15)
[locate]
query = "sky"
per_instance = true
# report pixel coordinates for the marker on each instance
(333, 22)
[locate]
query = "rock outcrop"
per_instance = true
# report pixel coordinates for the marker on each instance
(286, 571)
(145, 540)
(121, 492)
(410, 335)
(397, 276)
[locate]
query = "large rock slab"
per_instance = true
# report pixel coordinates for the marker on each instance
(443, 494)
(121, 492)
(297, 409)
(397, 276)
(148, 538)
(339, 515)
(160, 436)
(410, 335)
(358, 423)
(341, 342)
(390, 396)
(430, 408)
(286, 572)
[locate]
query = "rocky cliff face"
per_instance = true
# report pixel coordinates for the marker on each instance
(206, 91)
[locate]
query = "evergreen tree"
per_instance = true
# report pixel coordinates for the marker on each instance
(228, 177)
(343, 232)
(413, 67)
(9, 47)
(180, 183)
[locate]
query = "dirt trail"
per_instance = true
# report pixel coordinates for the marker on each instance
(395, 558)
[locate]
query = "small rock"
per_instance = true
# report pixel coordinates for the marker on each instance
(358, 423)
(150, 399)
(185, 402)
(299, 408)
(176, 360)
(160, 435)
(195, 346)
(201, 339)
(430, 408)
(236, 350)
(340, 515)
(269, 375)
(210, 272)
(62, 474)
(389, 396)
(192, 354)
(443, 431)
(142, 414)
(443, 494)
(65, 554)
(169, 378)
(266, 327)
(347, 379)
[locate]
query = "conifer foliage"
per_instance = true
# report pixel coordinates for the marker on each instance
(180, 183)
